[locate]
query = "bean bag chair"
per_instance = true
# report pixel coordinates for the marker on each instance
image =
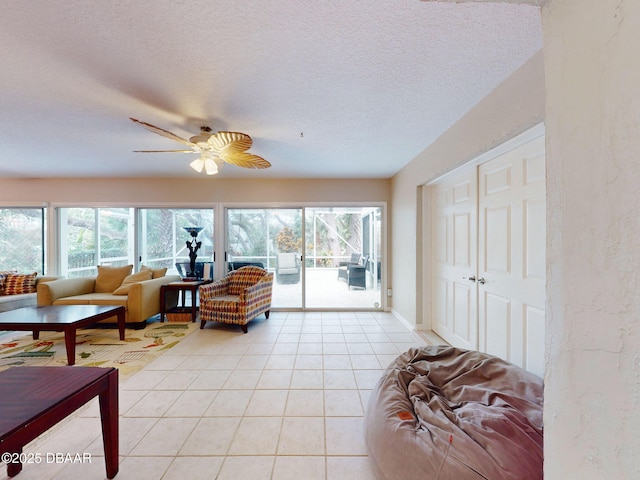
(442, 413)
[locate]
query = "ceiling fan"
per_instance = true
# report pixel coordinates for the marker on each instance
(214, 148)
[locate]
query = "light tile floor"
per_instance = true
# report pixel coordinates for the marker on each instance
(284, 401)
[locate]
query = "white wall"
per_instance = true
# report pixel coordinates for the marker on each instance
(592, 394)
(592, 382)
(516, 105)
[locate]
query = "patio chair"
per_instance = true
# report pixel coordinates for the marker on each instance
(357, 274)
(237, 298)
(343, 267)
(237, 265)
(287, 267)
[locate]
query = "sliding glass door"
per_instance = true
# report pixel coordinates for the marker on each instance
(343, 257)
(337, 266)
(272, 239)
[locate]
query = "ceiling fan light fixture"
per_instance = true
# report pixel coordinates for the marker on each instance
(197, 164)
(214, 149)
(210, 166)
(200, 140)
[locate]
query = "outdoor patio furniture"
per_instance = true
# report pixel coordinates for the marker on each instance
(238, 297)
(343, 267)
(357, 274)
(287, 267)
(237, 265)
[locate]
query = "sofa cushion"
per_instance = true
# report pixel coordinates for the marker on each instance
(16, 284)
(11, 302)
(107, 299)
(73, 300)
(156, 272)
(110, 278)
(93, 299)
(225, 304)
(131, 279)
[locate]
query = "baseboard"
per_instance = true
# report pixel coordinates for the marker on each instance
(403, 320)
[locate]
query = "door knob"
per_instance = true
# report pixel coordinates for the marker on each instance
(481, 281)
(472, 278)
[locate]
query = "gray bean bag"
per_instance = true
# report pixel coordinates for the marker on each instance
(442, 413)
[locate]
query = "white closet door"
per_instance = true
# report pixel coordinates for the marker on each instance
(511, 256)
(453, 258)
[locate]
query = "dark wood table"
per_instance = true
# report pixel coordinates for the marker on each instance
(182, 288)
(60, 318)
(34, 399)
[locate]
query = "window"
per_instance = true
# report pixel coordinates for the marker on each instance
(306, 248)
(163, 240)
(22, 239)
(95, 236)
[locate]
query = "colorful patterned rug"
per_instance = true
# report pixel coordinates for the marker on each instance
(95, 347)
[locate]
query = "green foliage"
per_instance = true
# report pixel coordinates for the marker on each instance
(288, 241)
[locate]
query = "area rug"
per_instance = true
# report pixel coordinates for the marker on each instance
(95, 347)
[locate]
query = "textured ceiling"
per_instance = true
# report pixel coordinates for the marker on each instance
(326, 89)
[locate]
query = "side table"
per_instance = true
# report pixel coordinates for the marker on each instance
(182, 288)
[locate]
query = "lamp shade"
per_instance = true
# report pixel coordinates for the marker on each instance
(197, 164)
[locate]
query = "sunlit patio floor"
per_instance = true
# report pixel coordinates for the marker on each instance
(323, 290)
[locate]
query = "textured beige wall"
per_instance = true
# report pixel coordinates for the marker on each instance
(170, 191)
(516, 105)
(592, 384)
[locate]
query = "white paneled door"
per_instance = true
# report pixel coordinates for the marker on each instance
(454, 258)
(511, 256)
(487, 252)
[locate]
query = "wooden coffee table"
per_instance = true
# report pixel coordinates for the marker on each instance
(34, 399)
(60, 318)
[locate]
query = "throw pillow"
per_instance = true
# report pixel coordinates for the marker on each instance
(16, 284)
(110, 278)
(157, 272)
(3, 277)
(131, 279)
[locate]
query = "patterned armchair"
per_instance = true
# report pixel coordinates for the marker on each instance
(238, 297)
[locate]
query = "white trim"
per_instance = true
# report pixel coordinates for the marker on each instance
(424, 221)
(511, 144)
(403, 320)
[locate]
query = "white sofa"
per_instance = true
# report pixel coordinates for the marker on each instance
(11, 302)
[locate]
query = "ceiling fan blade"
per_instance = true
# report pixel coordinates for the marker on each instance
(230, 142)
(161, 131)
(245, 160)
(164, 151)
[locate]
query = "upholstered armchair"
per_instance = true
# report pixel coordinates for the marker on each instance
(238, 297)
